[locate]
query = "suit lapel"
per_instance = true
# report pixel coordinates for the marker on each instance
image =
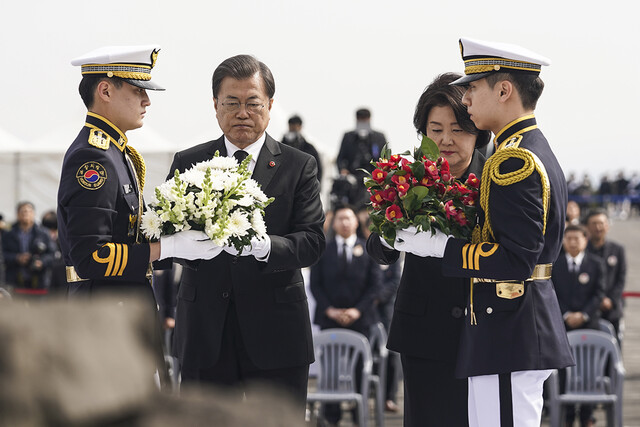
(267, 164)
(217, 145)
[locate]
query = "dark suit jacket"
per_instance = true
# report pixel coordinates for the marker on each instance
(583, 291)
(269, 298)
(40, 246)
(356, 152)
(616, 271)
(358, 286)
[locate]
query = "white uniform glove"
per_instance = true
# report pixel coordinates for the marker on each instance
(188, 244)
(385, 244)
(421, 243)
(259, 248)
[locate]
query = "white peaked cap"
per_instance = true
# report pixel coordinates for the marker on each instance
(483, 57)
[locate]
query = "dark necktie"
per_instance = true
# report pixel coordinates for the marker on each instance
(574, 266)
(240, 155)
(343, 257)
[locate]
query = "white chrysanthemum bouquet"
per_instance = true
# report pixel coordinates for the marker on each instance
(217, 196)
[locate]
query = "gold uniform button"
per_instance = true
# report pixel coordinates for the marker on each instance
(489, 310)
(110, 74)
(496, 67)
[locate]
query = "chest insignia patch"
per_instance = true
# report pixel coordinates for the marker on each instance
(91, 175)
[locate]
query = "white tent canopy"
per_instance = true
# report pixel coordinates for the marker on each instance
(31, 170)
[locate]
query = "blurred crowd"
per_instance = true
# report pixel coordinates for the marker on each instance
(619, 193)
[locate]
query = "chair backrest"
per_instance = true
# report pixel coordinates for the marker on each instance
(606, 326)
(597, 355)
(337, 351)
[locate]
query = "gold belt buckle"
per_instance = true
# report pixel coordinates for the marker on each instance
(509, 290)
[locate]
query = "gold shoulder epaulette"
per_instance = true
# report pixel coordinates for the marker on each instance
(99, 139)
(511, 142)
(491, 173)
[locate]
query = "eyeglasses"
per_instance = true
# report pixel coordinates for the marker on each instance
(234, 106)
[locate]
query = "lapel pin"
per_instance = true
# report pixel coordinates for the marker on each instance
(272, 164)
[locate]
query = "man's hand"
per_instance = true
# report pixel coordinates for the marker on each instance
(189, 244)
(574, 319)
(259, 248)
(606, 304)
(421, 243)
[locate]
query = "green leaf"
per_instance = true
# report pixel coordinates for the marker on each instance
(429, 149)
(386, 152)
(418, 192)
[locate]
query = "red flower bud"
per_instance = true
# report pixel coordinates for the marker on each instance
(378, 175)
(473, 181)
(393, 213)
(399, 179)
(403, 188)
(389, 194)
(377, 198)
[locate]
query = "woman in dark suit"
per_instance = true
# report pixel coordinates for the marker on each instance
(429, 309)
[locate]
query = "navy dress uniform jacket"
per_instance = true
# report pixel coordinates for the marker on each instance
(582, 291)
(98, 208)
(270, 299)
(358, 286)
(526, 332)
(615, 261)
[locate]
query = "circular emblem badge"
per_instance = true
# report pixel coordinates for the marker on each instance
(91, 175)
(358, 251)
(583, 278)
(612, 261)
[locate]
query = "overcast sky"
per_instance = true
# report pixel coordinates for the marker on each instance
(329, 58)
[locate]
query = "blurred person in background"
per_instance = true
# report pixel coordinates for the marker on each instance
(613, 254)
(58, 271)
(29, 253)
(294, 139)
(357, 149)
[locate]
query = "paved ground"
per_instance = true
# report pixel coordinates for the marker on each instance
(628, 233)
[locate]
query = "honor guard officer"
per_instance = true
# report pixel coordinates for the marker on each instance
(100, 195)
(515, 334)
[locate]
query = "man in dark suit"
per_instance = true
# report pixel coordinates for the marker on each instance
(346, 284)
(28, 253)
(245, 319)
(578, 277)
(357, 149)
(613, 254)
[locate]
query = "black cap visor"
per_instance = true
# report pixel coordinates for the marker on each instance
(465, 80)
(144, 84)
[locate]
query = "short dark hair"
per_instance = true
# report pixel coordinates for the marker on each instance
(88, 85)
(529, 86)
(595, 212)
(295, 120)
(575, 227)
(241, 67)
(50, 220)
(363, 114)
(341, 206)
(439, 94)
(23, 204)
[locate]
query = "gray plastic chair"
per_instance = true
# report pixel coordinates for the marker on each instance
(606, 326)
(337, 352)
(378, 341)
(597, 377)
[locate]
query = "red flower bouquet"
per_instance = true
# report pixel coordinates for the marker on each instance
(421, 193)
